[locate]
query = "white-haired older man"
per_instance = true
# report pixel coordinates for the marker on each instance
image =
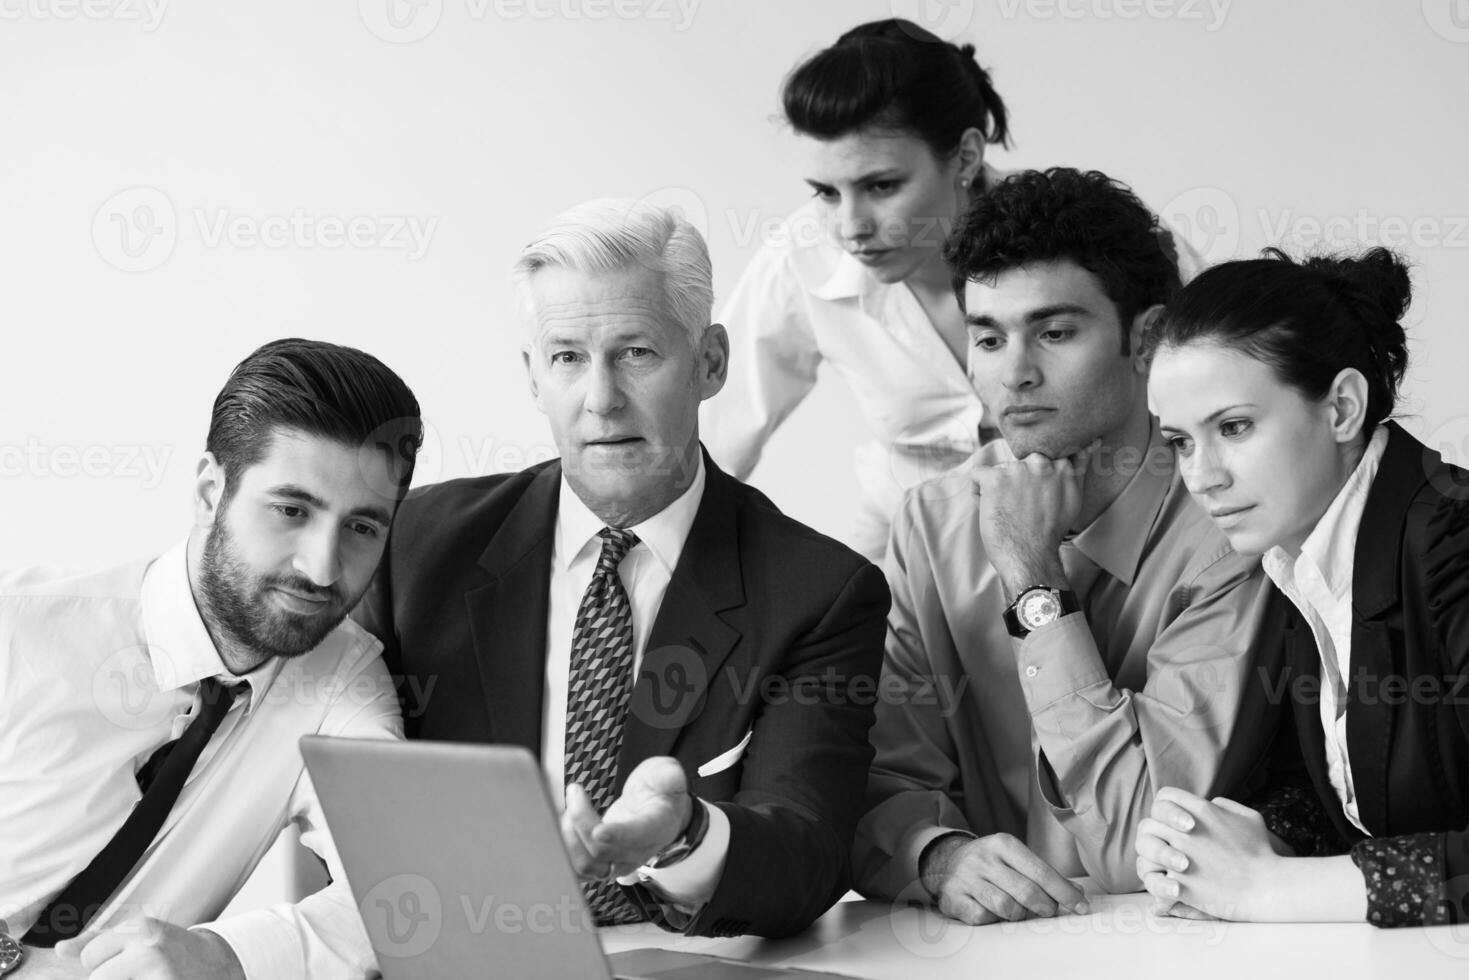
(695, 668)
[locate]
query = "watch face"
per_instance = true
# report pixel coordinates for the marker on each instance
(1037, 608)
(10, 953)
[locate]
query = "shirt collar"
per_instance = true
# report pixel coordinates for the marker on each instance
(179, 645)
(1331, 545)
(664, 533)
(1116, 540)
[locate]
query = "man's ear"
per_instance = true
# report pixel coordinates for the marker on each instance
(209, 487)
(1139, 327)
(1346, 403)
(526, 353)
(713, 356)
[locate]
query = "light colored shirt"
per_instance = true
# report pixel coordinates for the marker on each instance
(1318, 582)
(99, 670)
(1060, 738)
(804, 301)
(645, 573)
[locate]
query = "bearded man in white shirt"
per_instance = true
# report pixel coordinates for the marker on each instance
(222, 653)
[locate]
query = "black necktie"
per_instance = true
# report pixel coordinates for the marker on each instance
(166, 771)
(597, 692)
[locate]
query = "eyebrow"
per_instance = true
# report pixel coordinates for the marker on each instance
(1034, 316)
(292, 492)
(886, 174)
(1213, 416)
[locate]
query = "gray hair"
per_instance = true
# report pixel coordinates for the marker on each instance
(611, 234)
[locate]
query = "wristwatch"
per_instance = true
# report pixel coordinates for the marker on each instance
(1038, 606)
(11, 953)
(684, 844)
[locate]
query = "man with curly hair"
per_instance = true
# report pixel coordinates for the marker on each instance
(1087, 629)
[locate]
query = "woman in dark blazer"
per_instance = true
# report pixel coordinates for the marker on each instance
(1274, 381)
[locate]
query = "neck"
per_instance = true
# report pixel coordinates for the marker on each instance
(1114, 464)
(237, 658)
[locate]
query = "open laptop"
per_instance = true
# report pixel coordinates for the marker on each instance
(454, 855)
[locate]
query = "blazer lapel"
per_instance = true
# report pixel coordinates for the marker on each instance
(1376, 573)
(507, 615)
(690, 640)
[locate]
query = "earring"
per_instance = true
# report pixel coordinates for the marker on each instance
(963, 181)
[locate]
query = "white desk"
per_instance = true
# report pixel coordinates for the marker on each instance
(1120, 938)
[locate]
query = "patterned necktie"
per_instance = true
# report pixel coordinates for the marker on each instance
(68, 913)
(597, 693)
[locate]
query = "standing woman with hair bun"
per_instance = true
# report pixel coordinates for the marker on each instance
(895, 122)
(1274, 381)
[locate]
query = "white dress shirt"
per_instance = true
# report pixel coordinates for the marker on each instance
(1319, 583)
(99, 670)
(645, 574)
(803, 300)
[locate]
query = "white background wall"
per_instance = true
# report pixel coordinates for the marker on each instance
(1247, 123)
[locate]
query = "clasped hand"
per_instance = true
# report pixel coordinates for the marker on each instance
(652, 811)
(1202, 857)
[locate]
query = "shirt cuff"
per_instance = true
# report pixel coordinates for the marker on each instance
(1404, 878)
(1058, 660)
(691, 881)
(266, 945)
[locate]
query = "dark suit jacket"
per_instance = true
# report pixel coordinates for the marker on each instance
(767, 626)
(1408, 685)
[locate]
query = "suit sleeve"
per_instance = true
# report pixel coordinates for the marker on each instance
(791, 821)
(773, 363)
(1419, 879)
(915, 780)
(1104, 750)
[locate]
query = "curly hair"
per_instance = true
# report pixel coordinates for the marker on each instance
(1087, 218)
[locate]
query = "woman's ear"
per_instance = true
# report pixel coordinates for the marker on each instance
(1346, 404)
(970, 157)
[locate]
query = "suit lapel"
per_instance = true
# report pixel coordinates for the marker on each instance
(690, 640)
(507, 615)
(1376, 573)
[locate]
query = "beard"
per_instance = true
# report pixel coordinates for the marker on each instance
(236, 602)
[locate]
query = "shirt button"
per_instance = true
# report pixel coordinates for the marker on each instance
(1032, 670)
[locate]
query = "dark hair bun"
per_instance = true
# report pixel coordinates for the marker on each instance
(1376, 285)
